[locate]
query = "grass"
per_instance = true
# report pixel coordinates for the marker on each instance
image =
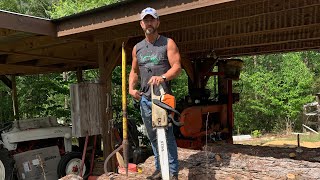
(305, 138)
(268, 138)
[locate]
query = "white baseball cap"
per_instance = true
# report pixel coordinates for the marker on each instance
(149, 11)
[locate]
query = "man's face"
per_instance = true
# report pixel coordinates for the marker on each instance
(149, 24)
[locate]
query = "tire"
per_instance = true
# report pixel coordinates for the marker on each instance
(6, 165)
(70, 164)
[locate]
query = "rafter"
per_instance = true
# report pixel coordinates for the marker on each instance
(41, 42)
(24, 69)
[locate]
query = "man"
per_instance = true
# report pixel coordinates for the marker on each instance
(157, 60)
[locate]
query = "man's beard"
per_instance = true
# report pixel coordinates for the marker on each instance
(150, 30)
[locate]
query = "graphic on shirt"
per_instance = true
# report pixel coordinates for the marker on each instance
(150, 59)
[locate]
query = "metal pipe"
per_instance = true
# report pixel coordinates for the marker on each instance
(124, 110)
(84, 155)
(105, 166)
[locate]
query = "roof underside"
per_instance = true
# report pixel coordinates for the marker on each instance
(200, 28)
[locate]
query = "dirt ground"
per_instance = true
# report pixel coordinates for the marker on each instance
(266, 157)
(226, 161)
(281, 140)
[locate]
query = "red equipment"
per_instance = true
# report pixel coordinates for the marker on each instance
(205, 113)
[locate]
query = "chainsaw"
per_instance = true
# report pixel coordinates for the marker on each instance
(163, 116)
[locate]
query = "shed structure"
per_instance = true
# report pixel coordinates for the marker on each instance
(201, 29)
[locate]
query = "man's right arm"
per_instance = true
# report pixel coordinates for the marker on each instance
(134, 75)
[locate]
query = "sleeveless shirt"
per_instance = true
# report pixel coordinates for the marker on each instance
(153, 61)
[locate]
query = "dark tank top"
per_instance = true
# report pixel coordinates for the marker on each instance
(153, 61)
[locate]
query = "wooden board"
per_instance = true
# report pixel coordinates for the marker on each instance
(85, 109)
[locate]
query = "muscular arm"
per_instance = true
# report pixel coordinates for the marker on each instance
(134, 75)
(174, 60)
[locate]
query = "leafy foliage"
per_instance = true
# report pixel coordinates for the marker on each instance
(67, 7)
(275, 89)
(43, 95)
(37, 8)
(6, 112)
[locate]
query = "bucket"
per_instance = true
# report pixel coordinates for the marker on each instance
(131, 168)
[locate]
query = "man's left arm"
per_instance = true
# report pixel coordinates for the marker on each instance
(174, 60)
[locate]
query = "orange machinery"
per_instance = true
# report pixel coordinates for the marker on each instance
(207, 115)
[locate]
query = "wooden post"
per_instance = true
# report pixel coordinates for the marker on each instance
(105, 82)
(14, 98)
(79, 75)
(80, 79)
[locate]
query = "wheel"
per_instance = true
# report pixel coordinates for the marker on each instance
(6, 165)
(70, 164)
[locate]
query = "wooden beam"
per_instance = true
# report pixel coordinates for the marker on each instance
(126, 13)
(188, 67)
(271, 48)
(6, 32)
(106, 106)
(15, 57)
(6, 81)
(113, 57)
(25, 23)
(218, 21)
(10, 69)
(249, 39)
(42, 42)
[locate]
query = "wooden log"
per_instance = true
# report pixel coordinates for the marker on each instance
(238, 162)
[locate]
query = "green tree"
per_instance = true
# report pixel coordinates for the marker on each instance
(274, 89)
(6, 112)
(43, 95)
(63, 8)
(37, 8)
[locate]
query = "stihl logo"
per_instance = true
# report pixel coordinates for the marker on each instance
(162, 145)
